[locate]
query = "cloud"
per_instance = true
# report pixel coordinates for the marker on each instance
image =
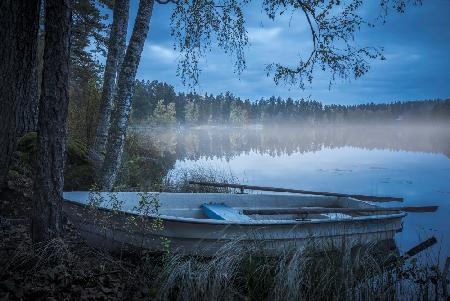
(164, 53)
(263, 35)
(403, 55)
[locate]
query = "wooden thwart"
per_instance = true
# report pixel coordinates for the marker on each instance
(223, 212)
(322, 210)
(277, 189)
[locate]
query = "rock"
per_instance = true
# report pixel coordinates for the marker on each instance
(79, 172)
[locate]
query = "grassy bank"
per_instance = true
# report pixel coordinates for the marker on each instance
(235, 273)
(67, 268)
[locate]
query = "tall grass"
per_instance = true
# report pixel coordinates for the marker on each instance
(238, 273)
(178, 180)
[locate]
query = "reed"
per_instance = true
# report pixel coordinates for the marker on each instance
(372, 272)
(178, 180)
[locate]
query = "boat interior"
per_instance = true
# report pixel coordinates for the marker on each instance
(235, 207)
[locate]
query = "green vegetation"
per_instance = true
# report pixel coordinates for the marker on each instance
(238, 115)
(88, 42)
(144, 166)
(164, 114)
(191, 113)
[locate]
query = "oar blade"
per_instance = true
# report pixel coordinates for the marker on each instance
(420, 209)
(382, 199)
(420, 247)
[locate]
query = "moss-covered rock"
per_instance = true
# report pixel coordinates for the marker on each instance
(79, 177)
(27, 142)
(76, 151)
(79, 171)
(13, 174)
(20, 176)
(27, 147)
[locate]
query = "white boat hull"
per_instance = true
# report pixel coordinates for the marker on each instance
(189, 231)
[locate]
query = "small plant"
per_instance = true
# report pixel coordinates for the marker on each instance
(96, 200)
(105, 219)
(148, 209)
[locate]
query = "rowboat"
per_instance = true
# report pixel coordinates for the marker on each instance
(202, 223)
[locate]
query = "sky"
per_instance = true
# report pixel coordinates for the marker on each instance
(416, 46)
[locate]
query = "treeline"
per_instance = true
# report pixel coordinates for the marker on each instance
(157, 102)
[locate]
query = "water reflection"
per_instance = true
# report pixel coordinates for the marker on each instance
(227, 142)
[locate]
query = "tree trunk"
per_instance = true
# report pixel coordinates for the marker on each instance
(53, 105)
(19, 23)
(114, 59)
(125, 90)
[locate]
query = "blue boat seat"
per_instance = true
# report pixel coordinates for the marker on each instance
(223, 212)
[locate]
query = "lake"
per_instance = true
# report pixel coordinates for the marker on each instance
(412, 162)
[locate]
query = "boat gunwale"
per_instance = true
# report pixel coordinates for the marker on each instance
(171, 218)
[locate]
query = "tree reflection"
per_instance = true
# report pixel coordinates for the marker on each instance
(228, 142)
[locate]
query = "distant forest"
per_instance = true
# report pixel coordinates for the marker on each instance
(158, 103)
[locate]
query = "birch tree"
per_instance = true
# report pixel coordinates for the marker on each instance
(116, 51)
(125, 89)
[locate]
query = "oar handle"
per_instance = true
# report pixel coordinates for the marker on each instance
(420, 208)
(370, 198)
(323, 210)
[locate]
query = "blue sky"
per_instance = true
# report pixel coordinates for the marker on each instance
(416, 45)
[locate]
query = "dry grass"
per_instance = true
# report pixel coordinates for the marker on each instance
(178, 180)
(238, 273)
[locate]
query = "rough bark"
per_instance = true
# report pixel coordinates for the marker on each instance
(19, 23)
(53, 105)
(116, 50)
(125, 89)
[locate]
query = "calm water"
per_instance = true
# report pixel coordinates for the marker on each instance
(411, 162)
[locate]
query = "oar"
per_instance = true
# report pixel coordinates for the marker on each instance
(420, 247)
(321, 210)
(276, 189)
(413, 251)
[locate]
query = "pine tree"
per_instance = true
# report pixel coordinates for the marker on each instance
(19, 23)
(53, 105)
